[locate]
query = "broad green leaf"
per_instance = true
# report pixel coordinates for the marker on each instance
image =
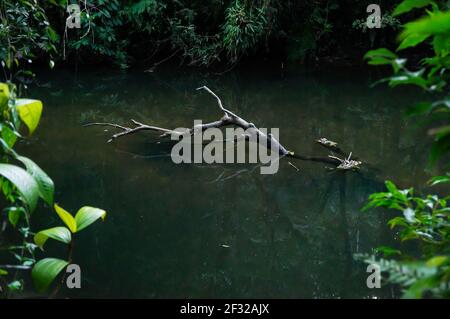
(4, 95)
(3, 272)
(45, 271)
(408, 5)
(24, 182)
(431, 25)
(61, 234)
(67, 218)
(30, 112)
(87, 215)
(381, 52)
(46, 186)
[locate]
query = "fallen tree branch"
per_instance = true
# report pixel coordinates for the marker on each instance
(252, 133)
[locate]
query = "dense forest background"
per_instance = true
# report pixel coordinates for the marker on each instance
(215, 33)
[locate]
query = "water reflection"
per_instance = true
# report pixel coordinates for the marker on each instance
(220, 230)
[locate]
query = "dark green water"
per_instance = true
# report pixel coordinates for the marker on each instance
(203, 230)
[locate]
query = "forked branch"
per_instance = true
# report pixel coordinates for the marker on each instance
(252, 133)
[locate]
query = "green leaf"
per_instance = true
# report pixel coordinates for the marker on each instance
(61, 234)
(391, 187)
(4, 95)
(387, 251)
(45, 271)
(30, 112)
(379, 61)
(381, 52)
(412, 40)
(439, 180)
(3, 272)
(15, 285)
(417, 31)
(8, 135)
(408, 5)
(67, 218)
(14, 214)
(24, 182)
(87, 215)
(437, 261)
(45, 183)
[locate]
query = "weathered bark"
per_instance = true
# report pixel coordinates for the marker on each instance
(252, 133)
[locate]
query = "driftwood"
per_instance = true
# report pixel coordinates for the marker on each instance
(252, 133)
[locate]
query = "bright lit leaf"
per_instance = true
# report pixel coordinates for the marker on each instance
(4, 95)
(381, 52)
(87, 215)
(30, 112)
(67, 218)
(61, 234)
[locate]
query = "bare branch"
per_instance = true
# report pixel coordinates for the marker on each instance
(219, 101)
(252, 134)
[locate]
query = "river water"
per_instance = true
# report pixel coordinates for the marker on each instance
(223, 230)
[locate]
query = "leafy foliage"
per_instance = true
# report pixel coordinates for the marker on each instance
(432, 76)
(421, 278)
(425, 220)
(22, 189)
(46, 270)
(197, 32)
(25, 34)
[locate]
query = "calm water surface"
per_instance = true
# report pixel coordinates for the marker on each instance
(218, 231)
